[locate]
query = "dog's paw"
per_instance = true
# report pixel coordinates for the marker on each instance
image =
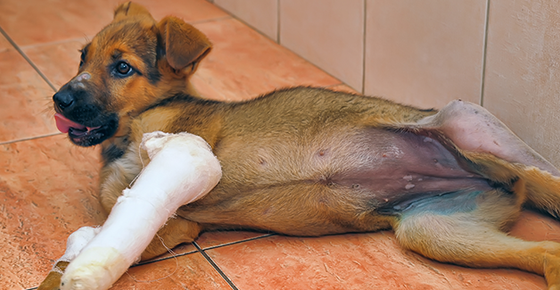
(52, 281)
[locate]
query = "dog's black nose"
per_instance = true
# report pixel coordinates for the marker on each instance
(63, 99)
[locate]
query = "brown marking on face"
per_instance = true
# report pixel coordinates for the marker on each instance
(135, 63)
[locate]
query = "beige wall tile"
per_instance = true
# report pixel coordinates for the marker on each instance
(424, 53)
(522, 79)
(261, 14)
(244, 64)
(329, 33)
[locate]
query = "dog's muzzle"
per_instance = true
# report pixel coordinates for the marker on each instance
(77, 114)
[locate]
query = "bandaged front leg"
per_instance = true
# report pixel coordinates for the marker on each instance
(182, 169)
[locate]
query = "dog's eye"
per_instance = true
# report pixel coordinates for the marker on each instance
(123, 68)
(82, 58)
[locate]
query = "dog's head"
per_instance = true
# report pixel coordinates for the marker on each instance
(131, 64)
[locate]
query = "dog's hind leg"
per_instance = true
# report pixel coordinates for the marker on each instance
(466, 228)
(477, 132)
(472, 128)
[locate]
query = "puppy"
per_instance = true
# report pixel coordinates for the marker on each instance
(308, 161)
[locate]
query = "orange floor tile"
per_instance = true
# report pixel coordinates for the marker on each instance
(48, 187)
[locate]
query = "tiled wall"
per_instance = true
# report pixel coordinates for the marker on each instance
(502, 54)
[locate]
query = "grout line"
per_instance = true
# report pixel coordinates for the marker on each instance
(254, 29)
(163, 259)
(278, 21)
(484, 53)
(333, 85)
(27, 59)
(277, 41)
(198, 250)
(31, 138)
(208, 248)
(235, 17)
(215, 266)
(38, 45)
(239, 242)
(364, 50)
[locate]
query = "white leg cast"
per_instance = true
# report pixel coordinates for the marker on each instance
(75, 243)
(182, 169)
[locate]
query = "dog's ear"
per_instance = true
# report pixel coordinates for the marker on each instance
(184, 45)
(129, 9)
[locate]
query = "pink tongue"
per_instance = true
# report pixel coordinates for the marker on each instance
(63, 124)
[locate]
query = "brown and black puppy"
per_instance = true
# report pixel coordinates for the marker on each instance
(306, 161)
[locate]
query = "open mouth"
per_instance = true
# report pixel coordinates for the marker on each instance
(78, 133)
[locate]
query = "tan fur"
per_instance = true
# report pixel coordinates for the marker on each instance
(281, 155)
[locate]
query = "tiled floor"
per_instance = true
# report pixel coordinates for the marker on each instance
(48, 187)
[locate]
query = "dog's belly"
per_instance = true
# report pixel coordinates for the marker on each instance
(329, 182)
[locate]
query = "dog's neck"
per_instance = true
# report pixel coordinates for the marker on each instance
(114, 148)
(192, 91)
